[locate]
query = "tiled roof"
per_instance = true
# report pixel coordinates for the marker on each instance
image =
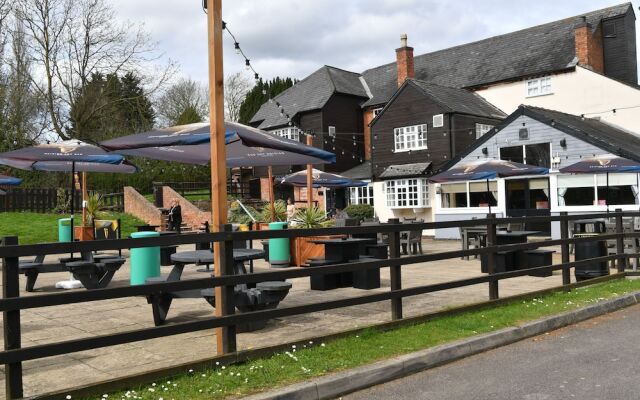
(536, 50)
(405, 170)
(362, 171)
(459, 100)
(311, 93)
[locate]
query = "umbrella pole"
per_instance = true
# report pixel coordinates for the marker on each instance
(272, 207)
(71, 283)
(84, 202)
(488, 196)
(309, 176)
(607, 196)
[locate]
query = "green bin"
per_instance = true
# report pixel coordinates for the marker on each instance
(64, 230)
(279, 247)
(145, 261)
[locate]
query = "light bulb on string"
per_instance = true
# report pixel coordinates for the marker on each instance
(237, 46)
(247, 64)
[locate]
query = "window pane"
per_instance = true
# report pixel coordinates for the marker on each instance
(478, 196)
(578, 196)
(513, 154)
(538, 154)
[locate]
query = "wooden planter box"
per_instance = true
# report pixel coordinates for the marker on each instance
(83, 233)
(302, 249)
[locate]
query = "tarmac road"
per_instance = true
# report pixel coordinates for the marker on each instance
(596, 359)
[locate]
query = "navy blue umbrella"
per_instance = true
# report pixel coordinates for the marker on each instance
(604, 163)
(487, 169)
(246, 146)
(9, 180)
(321, 179)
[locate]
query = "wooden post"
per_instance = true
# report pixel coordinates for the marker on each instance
(491, 256)
(564, 248)
(395, 273)
(218, 158)
(309, 175)
(12, 335)
(622, 262)
(272, 200)
(227, 305)
(84, 204)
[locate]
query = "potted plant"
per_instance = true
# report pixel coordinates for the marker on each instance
(280, 208)
(302, 248)
(93, 207)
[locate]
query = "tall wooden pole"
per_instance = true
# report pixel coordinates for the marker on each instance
(309, 175)
(272, 200)
(218, 157)
(84, 201)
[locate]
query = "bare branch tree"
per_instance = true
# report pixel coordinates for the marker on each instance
(183, 95)
(73, 39)
(236, 87)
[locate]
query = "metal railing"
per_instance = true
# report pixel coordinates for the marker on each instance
(12, 303)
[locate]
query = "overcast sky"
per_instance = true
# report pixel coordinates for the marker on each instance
(296, 37)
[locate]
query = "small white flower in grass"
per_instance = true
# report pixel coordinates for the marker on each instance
(217, 363)
(223, 367)
(104, 396)
(152, 390)
(293, 347)
(200, 390)
(168, 382)
(175, 384)
(190, 371)
(68, 397)
(204, 375)
(219, 373)
(310, 341)
(153, 384)
(321, 344)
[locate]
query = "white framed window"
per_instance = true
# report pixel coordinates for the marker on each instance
(481, 129)
(438, 121)
(376, 111)
(407, 193)
(468, 194)
(332, 131)
(592, 189)
(539, 86)
(410, 137)
(361, 195)
(292, 133)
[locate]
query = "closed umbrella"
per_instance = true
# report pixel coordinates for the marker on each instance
(67, 156)
(604, 163)
(486, 170)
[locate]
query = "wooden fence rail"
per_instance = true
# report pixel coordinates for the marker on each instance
(12, 303)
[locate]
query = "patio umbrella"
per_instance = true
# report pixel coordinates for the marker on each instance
(245, 147)
(9, 180)
(68, 156)
(486, 170)
(604, 163)
(321, 179)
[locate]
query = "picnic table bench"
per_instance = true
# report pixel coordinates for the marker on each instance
(93, 271)
(264, 295)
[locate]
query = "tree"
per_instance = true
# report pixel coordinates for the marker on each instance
(260, 94)
(189, 116)
(236, 87)
(110, 106)
(185, 96)
(71, 40)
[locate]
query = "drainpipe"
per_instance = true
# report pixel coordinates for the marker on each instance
(452, 139)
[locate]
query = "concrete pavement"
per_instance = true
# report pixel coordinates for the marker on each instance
(595, 359)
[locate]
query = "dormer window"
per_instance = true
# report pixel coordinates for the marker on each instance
(539, 86)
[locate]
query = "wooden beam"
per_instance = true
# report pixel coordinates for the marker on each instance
(218, 156)
(272, 199)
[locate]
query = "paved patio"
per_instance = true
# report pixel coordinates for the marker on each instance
(52, 324)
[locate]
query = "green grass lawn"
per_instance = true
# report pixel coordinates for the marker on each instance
(315, 359)
(191, 196)
(43, 228)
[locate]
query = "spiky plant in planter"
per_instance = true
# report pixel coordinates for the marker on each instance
(307, 218)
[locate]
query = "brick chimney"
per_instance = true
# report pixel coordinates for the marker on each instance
(589, 46)
(404, 61)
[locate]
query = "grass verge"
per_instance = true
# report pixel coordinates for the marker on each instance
(316, 359)
(32, 228)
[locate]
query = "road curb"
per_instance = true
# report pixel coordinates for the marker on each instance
(340, 383)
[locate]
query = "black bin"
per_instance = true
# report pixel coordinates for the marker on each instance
(591, 249)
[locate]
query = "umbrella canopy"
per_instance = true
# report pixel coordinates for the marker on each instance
(69, 150)
(9, 180)
(66, 166)
(321, 179)
(602, 164)
(488, 169)
(246, 146)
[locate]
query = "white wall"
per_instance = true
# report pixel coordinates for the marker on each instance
(577, 92)
(384, 213)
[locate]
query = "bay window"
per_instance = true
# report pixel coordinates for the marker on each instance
(407, 193)
(410, 138)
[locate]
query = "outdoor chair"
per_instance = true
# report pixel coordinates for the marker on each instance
(475, 240)
(630, 243)
(515, 226)
(342, 222)
(411, 241)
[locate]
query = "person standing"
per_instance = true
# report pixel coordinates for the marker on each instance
(175, 217)
(291, 209)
